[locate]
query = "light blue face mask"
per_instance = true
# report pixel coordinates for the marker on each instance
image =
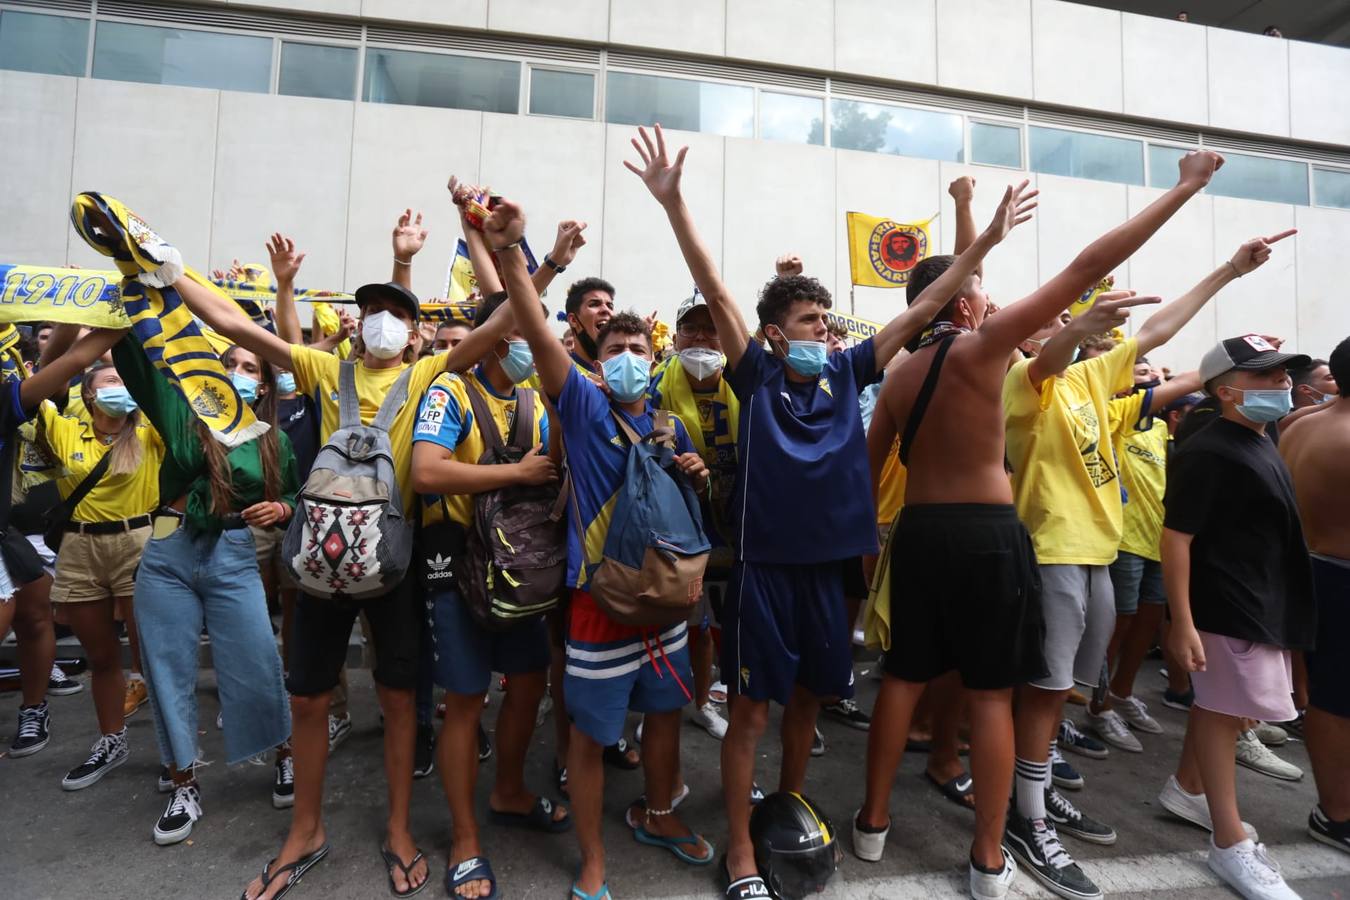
(285, 383)
(518, 363)
(1265, 406)
(627, 375)
(807, 358)
(247, 387)
(114, 401)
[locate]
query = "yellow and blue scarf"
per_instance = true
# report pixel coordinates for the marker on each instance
(161, 322)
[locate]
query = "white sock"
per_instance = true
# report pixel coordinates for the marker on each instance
(1030, 779)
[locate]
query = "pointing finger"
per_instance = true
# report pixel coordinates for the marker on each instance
(1132, 301)
(1281, 236)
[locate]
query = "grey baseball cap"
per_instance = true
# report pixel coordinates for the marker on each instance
(1249, 353)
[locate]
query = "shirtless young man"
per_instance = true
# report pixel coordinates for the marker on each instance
(960, 534)
(1314, 448)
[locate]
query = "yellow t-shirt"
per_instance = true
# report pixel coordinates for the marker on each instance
(316, 370)
(75, 403)
(445, 418)
(1066, 482)
(74, 446)
(1143, 470)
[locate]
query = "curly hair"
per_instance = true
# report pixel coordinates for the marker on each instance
(626, 322)
(778, 295)
(1099, 343)
(579, 289)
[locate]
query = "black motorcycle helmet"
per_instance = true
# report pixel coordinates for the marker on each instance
(796, 850)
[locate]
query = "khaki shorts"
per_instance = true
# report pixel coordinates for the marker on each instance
(267, 545)
(98, 566)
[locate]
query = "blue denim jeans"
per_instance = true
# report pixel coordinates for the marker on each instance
(186, 580)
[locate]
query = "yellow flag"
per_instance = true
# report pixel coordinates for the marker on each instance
(882, 253)
(460, 280)
(1089, 297)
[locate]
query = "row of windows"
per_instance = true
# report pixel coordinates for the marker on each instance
(159, 55)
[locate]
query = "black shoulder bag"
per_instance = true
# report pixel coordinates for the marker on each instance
(59, 516)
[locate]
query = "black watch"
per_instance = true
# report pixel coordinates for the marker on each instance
(548, 261)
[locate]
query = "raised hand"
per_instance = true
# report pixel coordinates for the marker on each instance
(346, 325)
(1198, 167)
(569, 240)
(1254, 253)
(788, 264)
(285, 258)
(1014, 209)
(1111, 310)
(506, 226)
(409, 236)
(658, 173)
(962, 189)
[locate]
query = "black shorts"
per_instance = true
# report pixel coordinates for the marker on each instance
(855, 583)
(965, 595)
(21, 560)
(1329, 663)
(322, 632)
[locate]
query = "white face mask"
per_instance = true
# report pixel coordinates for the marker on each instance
(700, 362)
(385, 334)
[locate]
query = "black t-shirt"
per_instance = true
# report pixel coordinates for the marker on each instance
(1250, 574)
(299, 418)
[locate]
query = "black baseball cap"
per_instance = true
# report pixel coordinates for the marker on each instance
(1248, 353)
(390, 291)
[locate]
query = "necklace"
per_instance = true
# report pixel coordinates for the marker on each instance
(939, 330)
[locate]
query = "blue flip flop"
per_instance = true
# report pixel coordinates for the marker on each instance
(539, 818)
(475, 868)
(579, 894)
(675, 845)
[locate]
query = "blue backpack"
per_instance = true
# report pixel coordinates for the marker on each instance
(651, 574)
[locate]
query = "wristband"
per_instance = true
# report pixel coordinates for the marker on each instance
(1236, 273)
(548, 261)
(515, 244)
(400, 262)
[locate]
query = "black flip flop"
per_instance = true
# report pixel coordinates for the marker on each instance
(293, 872)
(751, 887)
(957, 789)
(560, 776)
(539, 818)
(617, 755)
(391, 859)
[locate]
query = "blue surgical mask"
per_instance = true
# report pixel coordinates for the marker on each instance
(1265, 406)
(114, 401)
(247, 387)
(518, 363)
(627, 375)
(1321, 398)
(807, 358)
(285, 383)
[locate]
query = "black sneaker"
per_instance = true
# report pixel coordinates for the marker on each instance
(818, 744)
(283, 782)
(1330, 832)
(848, 712)
(184, 809)
(1070, 738)
(339, 729)
(1037, 847)
(1181, 701)
(165, 782)
(1069, 820)
(59, 685)
(485, 745)
(424, 753)
(108, 752)
(35, 725)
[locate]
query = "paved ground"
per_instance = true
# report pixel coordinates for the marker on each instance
(97, 842)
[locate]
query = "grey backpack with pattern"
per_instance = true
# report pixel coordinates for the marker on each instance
(349, 538)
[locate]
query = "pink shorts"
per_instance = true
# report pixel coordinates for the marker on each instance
(1245, 678)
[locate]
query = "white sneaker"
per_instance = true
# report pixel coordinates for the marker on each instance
(1112, 729)
(1271, 735)
(710, 720)
(1192, 808)
(1135, 713)
(1250, 871)
(984, 886)
(868, 846)
(1254, 755)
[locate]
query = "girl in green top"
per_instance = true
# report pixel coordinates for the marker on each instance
(199, 569)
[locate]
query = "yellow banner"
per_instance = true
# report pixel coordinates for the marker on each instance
(1089, 297)
(45, 294)
(460, 281)
(860, 329)
(882, 253)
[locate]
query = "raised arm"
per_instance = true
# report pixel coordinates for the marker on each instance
(409, 237)
(1014, 209)
(53, 376)
(1111, 310)
(662, 178)
(1163, 325)
(565, 247)
(963, 193)
(1175, 389)
(480, 257)
(1019, 321)
(286, 262)
(224, 316)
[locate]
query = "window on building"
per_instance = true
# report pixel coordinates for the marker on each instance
(1331, 187)
(554, 93)
(791, 117)
(680, 103)
(1162, 165)
(313, 70)
(50, 45)
(208, 59)
(1080, 155)
(898, 130)
(435, 79)
(996, 145)
(1261, 178)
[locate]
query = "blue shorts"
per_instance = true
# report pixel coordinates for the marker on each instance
(614, 668)
(465, 654)
(787, 625)
(1136, 580)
